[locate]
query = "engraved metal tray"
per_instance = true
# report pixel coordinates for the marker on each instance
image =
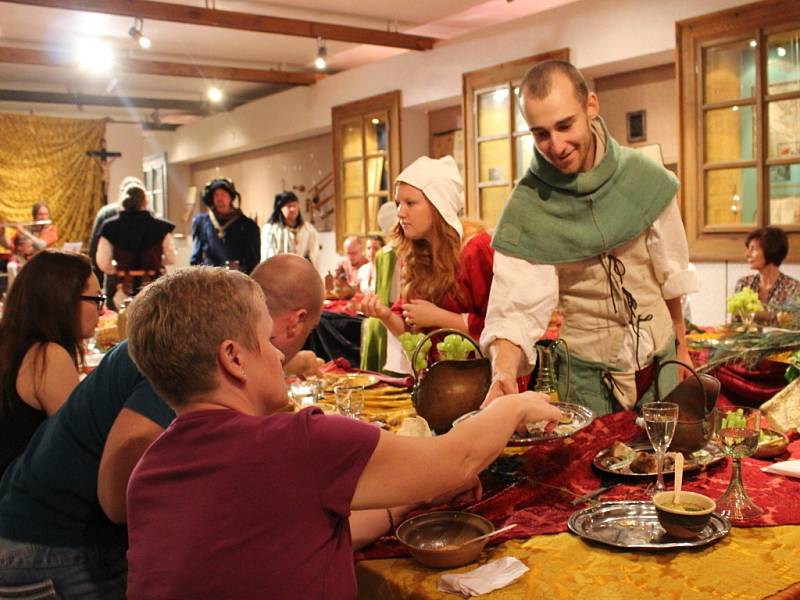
(694, 461)
(579, 418)
(634, 524)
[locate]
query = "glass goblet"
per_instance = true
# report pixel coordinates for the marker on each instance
(736, 430)
(349, 399)
(660, 419)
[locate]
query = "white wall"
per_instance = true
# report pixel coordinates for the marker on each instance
(602, 35)
(125, 138)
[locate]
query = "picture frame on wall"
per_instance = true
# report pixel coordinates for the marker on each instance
(636, 126)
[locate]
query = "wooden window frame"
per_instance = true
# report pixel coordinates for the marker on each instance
(389, 104)
(752, 21)
(507, 74)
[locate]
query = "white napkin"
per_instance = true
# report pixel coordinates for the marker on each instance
(790, 468)
(491, 576)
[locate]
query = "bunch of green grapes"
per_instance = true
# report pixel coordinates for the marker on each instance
(409, 342)
(744, 302)
(734, 420)
(454, 347)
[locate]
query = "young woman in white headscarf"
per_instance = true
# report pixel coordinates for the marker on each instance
(446, 275)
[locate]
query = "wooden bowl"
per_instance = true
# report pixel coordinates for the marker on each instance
(441, 539)
(772, 447)
(680, 522)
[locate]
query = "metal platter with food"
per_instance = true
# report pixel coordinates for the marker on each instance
(574, 418)
(638, 459)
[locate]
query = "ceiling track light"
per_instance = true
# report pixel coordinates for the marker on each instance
(214, 94)
(322, 55)
(136, 32)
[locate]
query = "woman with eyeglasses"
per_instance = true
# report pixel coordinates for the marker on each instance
(53, 305)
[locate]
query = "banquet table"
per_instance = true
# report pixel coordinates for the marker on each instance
(756, 559)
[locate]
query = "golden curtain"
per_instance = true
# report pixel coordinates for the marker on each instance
(43, 159)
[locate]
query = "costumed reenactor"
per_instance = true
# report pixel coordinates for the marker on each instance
(223, 236)
(134, 246)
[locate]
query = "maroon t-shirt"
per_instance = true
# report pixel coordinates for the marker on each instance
(227, 505)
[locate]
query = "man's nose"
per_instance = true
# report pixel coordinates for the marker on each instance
(558, 143)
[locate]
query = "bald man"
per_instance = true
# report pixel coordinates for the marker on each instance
(294, 295)
(347, 268)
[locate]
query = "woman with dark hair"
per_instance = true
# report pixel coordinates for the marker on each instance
(52, 307)
(766, 249)
(287, 232)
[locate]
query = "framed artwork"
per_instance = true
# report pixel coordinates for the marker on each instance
(636, 125)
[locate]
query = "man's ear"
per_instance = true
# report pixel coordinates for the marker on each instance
(592, 105)
(231, 360)
(295, 321)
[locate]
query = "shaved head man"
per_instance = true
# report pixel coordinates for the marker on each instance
(294, 295)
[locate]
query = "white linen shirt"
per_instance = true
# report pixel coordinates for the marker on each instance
(524, 294)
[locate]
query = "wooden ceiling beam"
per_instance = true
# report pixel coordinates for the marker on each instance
(27, 56)
(208, 17)
(189, 106)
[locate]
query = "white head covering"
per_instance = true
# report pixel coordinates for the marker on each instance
(128, 183)
(387, 217)
(441, 183)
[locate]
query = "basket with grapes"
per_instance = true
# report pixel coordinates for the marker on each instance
(454, 384)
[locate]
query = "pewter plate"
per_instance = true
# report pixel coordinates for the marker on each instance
(711, 454)
(579, 418)
(634, 524)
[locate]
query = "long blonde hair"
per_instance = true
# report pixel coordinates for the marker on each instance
(423, 276)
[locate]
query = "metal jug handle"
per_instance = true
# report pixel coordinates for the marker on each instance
(690, 368)
(566, 346)
(422, 341)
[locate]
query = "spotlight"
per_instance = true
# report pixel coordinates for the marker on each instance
(95, 56)
(753, 43)
(214, 94)
(781, 51)
(322, 54)
(136, 32)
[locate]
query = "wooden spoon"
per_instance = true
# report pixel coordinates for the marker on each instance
(488, 535)
(678, 477)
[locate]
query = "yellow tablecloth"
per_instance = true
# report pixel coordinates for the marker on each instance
(749, 563)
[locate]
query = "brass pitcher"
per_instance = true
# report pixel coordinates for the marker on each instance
(547, 379)
(449, 389)
(696, 398)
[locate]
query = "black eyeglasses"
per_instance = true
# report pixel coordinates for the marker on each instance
(99, 300)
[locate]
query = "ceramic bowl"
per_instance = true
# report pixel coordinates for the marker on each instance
(441, 539)
(772, 447)
(677, 520)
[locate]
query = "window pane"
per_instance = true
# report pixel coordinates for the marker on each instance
(731, 197)
(730, 134)
(783, 135)
(784, 195)
(353, 179)
(351, 139)
(493, 160)
(492, 201)
(374, 204)
(354, 215)
(493, 112)
(519, 118)
(783, 62)
(729, 71)
(376, 134)
(524, 151)
(377, 175)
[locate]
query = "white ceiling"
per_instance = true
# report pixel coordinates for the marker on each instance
(58, 30)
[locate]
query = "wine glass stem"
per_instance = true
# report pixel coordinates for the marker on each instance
(660, 487)
(735, 485)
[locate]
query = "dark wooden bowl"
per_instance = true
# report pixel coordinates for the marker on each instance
(441, 539)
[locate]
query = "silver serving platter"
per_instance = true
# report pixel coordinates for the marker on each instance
(581, 417)
(634, 524)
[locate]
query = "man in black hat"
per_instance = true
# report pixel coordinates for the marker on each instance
(223, 236)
